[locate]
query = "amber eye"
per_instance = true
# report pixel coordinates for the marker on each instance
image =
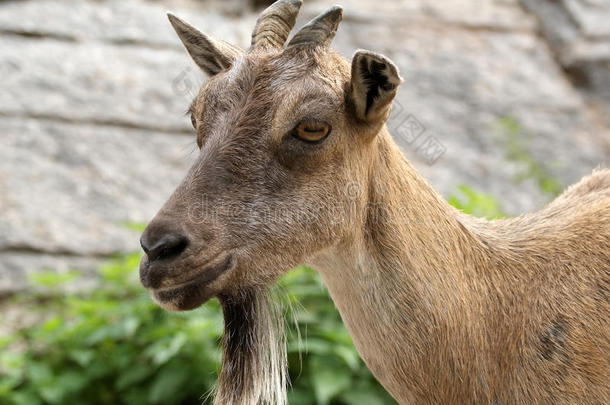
(312, 131)
(193, 120)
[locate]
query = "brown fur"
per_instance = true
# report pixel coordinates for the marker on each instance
(471, 311)
(442, 307)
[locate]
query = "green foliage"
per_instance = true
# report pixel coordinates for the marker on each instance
(52, 279)
(134, 226)
(110, 346)
(516, 146)
(113, 345)
(476, 203)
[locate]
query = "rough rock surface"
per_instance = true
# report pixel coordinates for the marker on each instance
(578, 32)
(70, 191)
(93, 135)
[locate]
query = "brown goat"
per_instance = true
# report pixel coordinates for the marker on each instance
(296, 166)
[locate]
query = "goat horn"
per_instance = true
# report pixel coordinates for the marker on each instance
(275, 23)
(319, 31)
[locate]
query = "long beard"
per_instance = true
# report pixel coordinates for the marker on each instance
(254, 351)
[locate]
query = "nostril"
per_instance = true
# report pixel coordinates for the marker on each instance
(168, 247)
(144, 246)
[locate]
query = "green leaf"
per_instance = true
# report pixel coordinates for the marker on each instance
(299, 396)
(162, 351)
(51, 278)
(12, 363)
(476, 203)
(7, 384)
(26, 397)
(133, 375)
(329, 378)
(136, 396)
(82, 357)
(134, 226)
(168, 384)
(359, 397)
(311, 345)
(52, 393)
(349, 355)
(71, 381)
(40, 373)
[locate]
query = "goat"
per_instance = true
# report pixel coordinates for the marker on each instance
(296, 166)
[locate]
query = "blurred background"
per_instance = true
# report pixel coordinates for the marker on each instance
(505, 102)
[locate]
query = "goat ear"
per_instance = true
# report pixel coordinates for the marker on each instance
(374, 83)
(210, 54)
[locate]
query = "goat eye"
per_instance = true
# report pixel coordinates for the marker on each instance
(312, 131)
(193, 120)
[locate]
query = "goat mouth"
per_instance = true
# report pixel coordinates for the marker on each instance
(194, 292)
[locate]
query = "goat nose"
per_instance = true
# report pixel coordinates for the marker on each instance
(163, 246)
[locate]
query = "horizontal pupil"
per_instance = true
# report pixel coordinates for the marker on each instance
(311, 132)
(313, 129)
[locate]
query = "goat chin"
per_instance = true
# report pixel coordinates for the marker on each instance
(254, 366)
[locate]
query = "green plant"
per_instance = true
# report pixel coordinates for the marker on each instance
(476, 203)
(516, 146)
(113, 345)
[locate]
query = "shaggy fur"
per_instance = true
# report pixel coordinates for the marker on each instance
(254, 351)
(443, 308)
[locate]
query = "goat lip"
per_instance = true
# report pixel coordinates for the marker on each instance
(195, 292)
(204, 277)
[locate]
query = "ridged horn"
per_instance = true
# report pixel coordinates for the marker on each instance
(275, 23)
(320, 31)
